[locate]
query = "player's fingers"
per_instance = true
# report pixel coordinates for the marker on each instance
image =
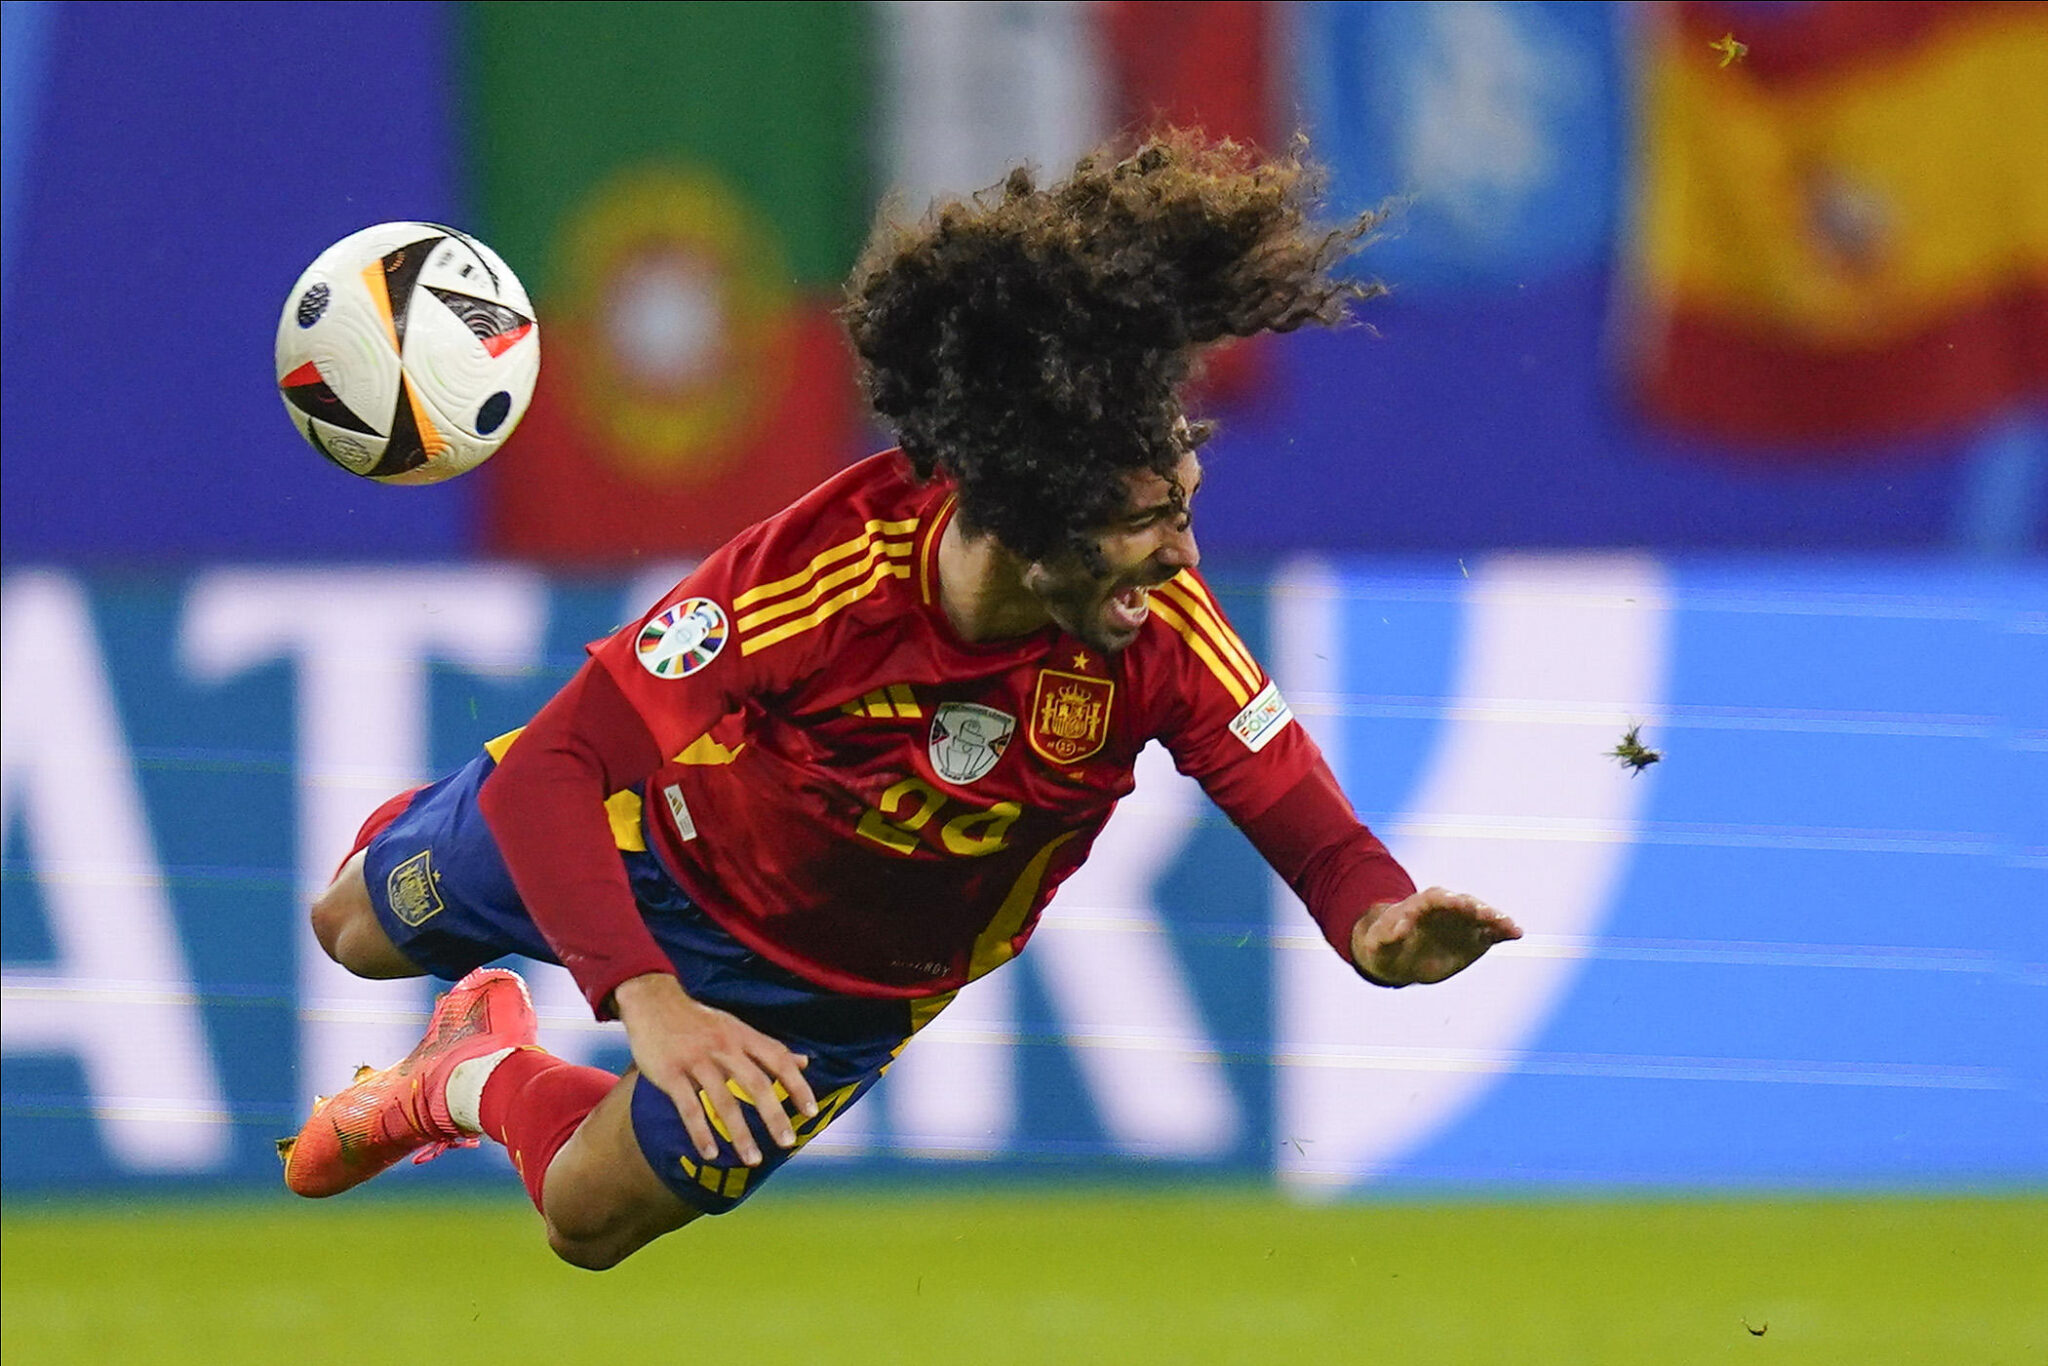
(761, 1092)
(1394, 922)
(1493, 924)
(1441, 901)
(1469, 910)
(788, 1068)
(734, 1120)
(725, 1110)
(690, 1108)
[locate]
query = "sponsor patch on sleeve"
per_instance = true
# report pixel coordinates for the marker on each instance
(1264, 717)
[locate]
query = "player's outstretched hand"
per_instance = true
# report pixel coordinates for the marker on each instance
(1428, 936)
(686, 1047)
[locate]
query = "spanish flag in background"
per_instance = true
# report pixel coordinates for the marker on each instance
(1841, 234)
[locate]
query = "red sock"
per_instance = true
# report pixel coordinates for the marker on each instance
(533, 1103)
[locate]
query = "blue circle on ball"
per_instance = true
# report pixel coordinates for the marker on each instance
(492, 415)
(312, 304)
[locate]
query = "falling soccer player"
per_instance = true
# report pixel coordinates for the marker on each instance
(837, 772)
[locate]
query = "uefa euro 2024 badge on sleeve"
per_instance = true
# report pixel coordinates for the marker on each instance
(679, 640)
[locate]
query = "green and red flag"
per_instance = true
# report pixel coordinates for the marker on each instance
(682, 187)
(1842, 218)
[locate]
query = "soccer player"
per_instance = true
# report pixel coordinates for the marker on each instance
(837, 772)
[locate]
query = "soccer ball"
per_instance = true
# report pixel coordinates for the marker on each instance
(407, 353)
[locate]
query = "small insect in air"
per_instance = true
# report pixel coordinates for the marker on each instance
(1633, 752)
(1730, 50)
(1759, 1330)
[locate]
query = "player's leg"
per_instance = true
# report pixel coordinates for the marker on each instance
(600, 1198)
(347, 927)
(424, 891)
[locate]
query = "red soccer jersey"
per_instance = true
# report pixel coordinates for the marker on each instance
(876, 804)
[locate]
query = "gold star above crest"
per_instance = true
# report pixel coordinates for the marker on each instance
(1081, 659)
(1730, 50)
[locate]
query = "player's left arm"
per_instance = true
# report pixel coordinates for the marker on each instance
(1229, 728)
(1368, 907)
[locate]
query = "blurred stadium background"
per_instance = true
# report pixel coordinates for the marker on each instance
(1712, 397)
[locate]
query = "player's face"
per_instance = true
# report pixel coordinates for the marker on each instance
(1149, 544)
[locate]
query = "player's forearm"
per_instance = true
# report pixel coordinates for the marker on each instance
(545, 807)
(1339, 869)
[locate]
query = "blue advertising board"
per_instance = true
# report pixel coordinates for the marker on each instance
(170, 169)
(1795, 952)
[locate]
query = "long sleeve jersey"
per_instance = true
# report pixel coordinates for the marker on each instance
(861, 796)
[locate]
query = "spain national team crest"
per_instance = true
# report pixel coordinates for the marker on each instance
(679, 640)
(966, 740)
(1069, 715)
(411, 889)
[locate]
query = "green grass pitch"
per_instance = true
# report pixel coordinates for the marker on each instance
(1038, 1275)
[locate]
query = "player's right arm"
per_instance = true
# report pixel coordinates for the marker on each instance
(606, 731)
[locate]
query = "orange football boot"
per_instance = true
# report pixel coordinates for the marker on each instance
(385, 1115)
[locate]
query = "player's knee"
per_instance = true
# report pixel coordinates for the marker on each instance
(577, 1252)
(330, 922)
(599, 1239)
(597, 1252)
(346, 925)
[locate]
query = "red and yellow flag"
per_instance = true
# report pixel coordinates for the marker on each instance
(1842, 232)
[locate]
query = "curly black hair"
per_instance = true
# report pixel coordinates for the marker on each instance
(1032, 343)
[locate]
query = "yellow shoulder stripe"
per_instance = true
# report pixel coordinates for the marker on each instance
(1218, 626)
(1203, 614)
(1225, 675)
(763, 591)
(825, 584)
(846, 597)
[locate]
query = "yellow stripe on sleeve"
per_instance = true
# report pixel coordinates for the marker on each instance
(1205, 615)
(761, 592)
(1198, 593)
(826, 583)
(1224, 675)
(842, 600)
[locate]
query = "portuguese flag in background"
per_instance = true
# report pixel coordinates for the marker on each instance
(1843, 235)
(682, 187)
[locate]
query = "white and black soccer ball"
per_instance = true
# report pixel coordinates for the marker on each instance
(407, 353)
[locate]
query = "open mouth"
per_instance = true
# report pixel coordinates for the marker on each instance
(1128, 607)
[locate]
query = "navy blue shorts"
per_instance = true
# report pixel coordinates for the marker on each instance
(445, 898)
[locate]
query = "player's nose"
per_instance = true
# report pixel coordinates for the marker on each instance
(1179, 551)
